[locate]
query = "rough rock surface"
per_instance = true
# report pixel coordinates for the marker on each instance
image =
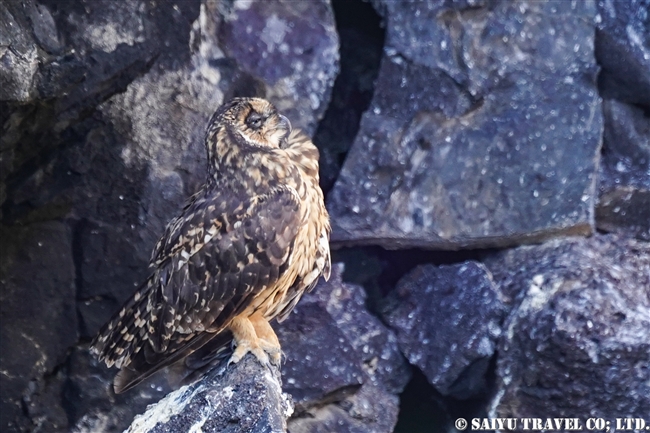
(485, 134)
(90, 402)
(576, 342)
(343, 367)
(19, 49)
(38, 325)
(361, 45)
(624, 202)
(623, 50)
(59, 60)
(448, 320)
(292, 47)
(244, 397)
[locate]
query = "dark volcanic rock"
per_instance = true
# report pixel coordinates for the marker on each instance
(370, 409)
(39, 320)
(321, 363)
(623, 50)
(577, 343)
(107, 272)
(91, 404)
(362, 42)
(484, 129)
(245, 397)
(65, 58)
(19, 48)
(448, 320)
(624, 202)
(291, 46)
(625, 209)
(343, 367)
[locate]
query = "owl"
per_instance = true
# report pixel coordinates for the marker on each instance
(242, 252)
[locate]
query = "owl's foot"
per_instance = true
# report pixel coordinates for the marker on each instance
(268, 340)
(255, 335)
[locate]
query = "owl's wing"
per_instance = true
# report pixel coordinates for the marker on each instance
(211, 263)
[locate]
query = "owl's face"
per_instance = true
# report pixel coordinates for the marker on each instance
(258, 122)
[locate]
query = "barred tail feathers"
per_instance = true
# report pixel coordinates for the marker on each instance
(130, 341)
(146, 362)
(125, 333)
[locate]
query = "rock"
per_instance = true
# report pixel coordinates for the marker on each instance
(464, 144)
(81, 55)
(370, 409)
(18, 54)
(107, 272)
(321, 364)
(623, 50)
(624, 202)
(362, 42)
(581, 310)
(244, 397)
(38, 316)
(42, 405)
(343, 367)
(292, 47)
(448, 320)
(625, 209)
(18, 68)
(90, 404)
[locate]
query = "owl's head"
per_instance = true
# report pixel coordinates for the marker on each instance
(254, 120)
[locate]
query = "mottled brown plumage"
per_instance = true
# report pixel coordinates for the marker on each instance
(244, 249)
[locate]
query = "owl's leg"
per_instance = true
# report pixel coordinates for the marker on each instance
(268, 340)
(246, 340)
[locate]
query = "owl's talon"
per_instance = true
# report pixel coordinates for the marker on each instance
(273, 351)
(247, 340)
(245, 347)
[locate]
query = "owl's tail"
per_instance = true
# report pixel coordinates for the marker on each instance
(197, 361)
(125, 342)
(124, 335)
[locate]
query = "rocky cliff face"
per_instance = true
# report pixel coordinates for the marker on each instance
(453, 135)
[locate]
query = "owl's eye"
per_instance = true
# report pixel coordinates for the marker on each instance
(254, 120)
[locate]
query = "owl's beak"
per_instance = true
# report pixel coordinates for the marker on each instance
(284, 124)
